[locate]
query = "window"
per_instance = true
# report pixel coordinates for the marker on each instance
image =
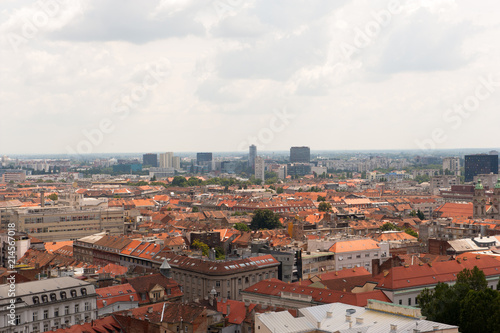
(358, 256)
(217, 283)
(45, 326)
(45, 299)
(35, 315)
(18, 319)
(36, 300)
(400, 302)
(66, 310)
(45, 314)
(73, 292)
(367, 255)
(87, 306)
(349, 257)
(83, 291)
(77, 308)
(56, 312)
(63, 295)
(409, 301)
(52, 296)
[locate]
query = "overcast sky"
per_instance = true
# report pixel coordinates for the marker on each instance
(200, 75)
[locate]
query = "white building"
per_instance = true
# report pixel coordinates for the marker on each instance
(165, 160)
(452, 164)
(45, 305)
(260, 168)
(343, 318)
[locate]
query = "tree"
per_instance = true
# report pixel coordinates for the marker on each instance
(469, 303)
(324, 206)
(200, 246)
(53, 197)
(320, 198)
(265, 219)
(411, 232)
(195, 209)
(388, 226)
(420, 215)
(279, 190)
(241, 226)
(179, 181)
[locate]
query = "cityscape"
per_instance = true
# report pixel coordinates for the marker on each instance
(228, 166)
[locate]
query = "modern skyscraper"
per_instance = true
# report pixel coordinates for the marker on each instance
(480, 164)
(252, 154)
(300, 155)
(176, 162)
(260, 168)
(203, 158)
(150, 159)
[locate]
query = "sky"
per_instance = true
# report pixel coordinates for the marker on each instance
(89, 76)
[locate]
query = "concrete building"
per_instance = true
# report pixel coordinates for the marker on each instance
(166, 160)
(439, 182)
(452, 164)
(358, 253)
(46, 305)
(22, 244)
(260, 168)
(66, 223)
(489, 181)
(252, 154)
(300, 155)
(480, 164)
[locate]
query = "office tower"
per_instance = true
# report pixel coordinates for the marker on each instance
(252, 154)
(480, 164)
(203, 158)
(282, 172)
(166, 160)
(452, 164)
(300, 155)
(260, 168)
(150, 159)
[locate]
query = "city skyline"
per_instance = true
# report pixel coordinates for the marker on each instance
(379, 75)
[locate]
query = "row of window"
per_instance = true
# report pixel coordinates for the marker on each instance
(62, 295)
(357, 256)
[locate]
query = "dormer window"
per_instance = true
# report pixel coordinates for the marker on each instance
(83, 291)
(36, 300)
(73, 292)
(63, 295)
(45, 299)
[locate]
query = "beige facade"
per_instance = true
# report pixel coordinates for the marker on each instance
(53, 223)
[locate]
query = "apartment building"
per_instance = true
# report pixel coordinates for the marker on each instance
(47, 305)
(64, 223)
(358, 253)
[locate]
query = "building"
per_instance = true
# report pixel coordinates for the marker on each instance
(46, 305)
(358, 253)
(282, 171)
(202, 158)
(150, 159)
(452, 164)
(165, 160)
(252, 154)
(260, 168)
(21, 244)
(127, 167)
(439, 182)
(298, 169)
(198, 277)
(300, 155)
(485, 206)
(338, 317)
(176, 162)
(67, 223)
(488, 181)
(480, 164)
(15, 176)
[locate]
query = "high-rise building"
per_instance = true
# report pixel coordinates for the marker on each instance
(480, 164)
(166, 160)
(150, 159)
(202, 158)
(176, 162)
(260, 168)
(300, 155)
(452, 164)
(252, 154)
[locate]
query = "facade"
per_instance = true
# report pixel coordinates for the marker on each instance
(176, 162)
(488, 181)
(55, 223)
(439, 182)
(252, 154)
(150, 159)
(203, 158)
(480, 164)
(298, 169)
(22, 244)
(300, 155)
(260, 168)
(46, 305)
(358, 253)
(198, 277)
(485, 206)
(452, 164)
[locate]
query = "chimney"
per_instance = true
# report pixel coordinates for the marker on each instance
(348, 318)
(150, 309)
(359, 320)
(393, 328)
(329, 314)
(375, 267)
(228, 308)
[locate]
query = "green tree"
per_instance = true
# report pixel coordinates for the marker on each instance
(241, 226)
(265, 219)
(324, 206)
(480, 311)
(195, 209)
(474, 279)
(420, 215)
(53, 197)
(220, 254)
(320, 198)
(200, 246)
(388, 226)
(279, 190)
(411, 232)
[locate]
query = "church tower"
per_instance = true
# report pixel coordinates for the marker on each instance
(495, 202)
(479, 201)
